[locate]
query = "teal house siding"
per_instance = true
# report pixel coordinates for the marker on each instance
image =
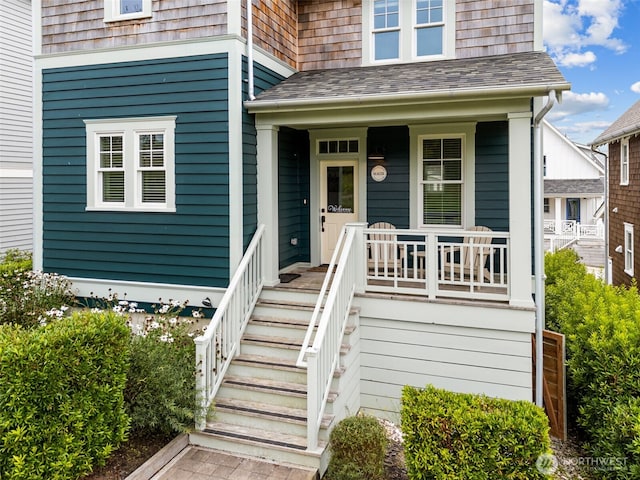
(188, 247)
(293, 190)
(492, 175)
(263, 79)
(388, 201)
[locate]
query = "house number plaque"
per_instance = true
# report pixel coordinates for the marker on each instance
(378, 173)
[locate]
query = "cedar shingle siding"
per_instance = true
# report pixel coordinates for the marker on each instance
(626, 198)
(305, 34)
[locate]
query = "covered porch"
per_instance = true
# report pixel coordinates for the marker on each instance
(443, 162)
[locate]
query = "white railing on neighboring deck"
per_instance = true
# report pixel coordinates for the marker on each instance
(563, 234)
(321, 356)
(221, 340)
(443, 263)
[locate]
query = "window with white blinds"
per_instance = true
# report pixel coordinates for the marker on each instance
(130, 164)
(441, 181)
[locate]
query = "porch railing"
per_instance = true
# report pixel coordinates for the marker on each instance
(443, 263)
(562, 234)
(221, 341)
(329, 320)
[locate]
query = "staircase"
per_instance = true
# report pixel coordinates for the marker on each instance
(261, 407)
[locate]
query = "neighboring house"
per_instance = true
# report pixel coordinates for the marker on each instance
(573, 186)
(16, 126)
(162, 176)
(623, 142)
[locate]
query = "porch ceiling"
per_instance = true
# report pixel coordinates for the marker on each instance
(507, 76)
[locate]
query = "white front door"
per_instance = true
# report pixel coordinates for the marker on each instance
(338, 201)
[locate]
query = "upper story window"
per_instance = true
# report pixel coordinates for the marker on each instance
(406, 30)
(624, 161)
(130, 164)
(117, 10)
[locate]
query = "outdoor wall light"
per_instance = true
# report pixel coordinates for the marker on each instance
(615, 210)
(206, 302)
(619, 249)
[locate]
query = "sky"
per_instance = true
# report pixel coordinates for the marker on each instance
(596, 45)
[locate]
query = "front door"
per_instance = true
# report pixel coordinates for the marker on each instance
(338, 202)
(573, 209)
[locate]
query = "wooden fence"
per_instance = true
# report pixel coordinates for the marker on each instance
(553, 382)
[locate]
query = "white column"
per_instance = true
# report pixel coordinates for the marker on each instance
(268, 199)
(520, 209)
(557, 207)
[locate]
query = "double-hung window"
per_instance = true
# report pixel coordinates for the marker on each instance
(441, 181)
(130, 164)
(624, 161)
(406, 30)
(117, 10)
(628, 249)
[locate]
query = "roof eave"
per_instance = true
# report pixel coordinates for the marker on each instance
(616, 136)
(262, 106)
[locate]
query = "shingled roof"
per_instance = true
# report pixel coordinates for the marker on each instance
(585, 186)
(531, 73)
(627, 123)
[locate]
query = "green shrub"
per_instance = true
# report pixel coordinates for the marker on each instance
(602, 328)
(358, 446)
(160, 395)
(61, 396)
(471, 437)
(15, 261)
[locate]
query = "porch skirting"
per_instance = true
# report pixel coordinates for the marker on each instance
(463, 348)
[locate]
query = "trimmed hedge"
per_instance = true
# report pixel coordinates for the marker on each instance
(358, 446)
(471, 437)
(61, 395)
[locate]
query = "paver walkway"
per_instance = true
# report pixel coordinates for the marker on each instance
(195, 463)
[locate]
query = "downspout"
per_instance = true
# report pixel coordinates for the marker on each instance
(538, 259)
(606, 213)
(250, 49)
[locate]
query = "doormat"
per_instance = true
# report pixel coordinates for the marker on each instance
(287, 277)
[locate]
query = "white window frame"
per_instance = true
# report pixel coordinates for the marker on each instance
(112, 11)
(465, 131)
(408, 33)
(624, 161)
(628, 249)
(130, 129)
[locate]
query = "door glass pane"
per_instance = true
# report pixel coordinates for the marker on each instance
(340, 190)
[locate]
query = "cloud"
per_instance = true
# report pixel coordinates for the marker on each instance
(579, 103)
(583, 132)
(572, 26)
(635, 87)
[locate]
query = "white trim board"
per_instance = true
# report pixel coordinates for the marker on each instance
(146, 292)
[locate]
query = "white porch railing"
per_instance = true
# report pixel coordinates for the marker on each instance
(321, 356)
(562, 234)
(221, 341)
(443, 263)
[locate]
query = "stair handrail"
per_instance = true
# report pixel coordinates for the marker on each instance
(323, 355)
(315, 316)
(219, 343)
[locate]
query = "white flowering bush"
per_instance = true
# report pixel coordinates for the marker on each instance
(160, 394)
(31, 299)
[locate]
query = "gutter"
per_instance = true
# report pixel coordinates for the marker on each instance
(625, 132)
(538, 195)
(607, 271)
(250, 79)
(399, 98)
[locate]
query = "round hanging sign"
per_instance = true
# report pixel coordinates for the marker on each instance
(378, 173)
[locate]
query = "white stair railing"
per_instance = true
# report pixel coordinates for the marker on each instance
(321, 357)
(220, 343)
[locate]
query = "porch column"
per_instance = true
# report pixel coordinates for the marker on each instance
(520, 209)
(267, 158)
(558, 212)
